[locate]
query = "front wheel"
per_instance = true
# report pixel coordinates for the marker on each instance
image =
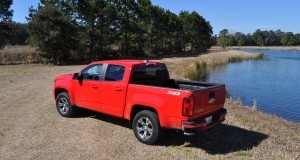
(64, 106)
(146, 127)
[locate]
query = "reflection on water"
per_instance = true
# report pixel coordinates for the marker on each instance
(204, 75)
(274, 83)
(218, 69)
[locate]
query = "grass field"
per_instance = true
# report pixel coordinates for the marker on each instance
(31, 128)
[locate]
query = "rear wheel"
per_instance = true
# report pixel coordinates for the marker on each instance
(146, 127)
(64, 106)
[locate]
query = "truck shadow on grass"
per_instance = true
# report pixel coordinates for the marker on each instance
(84, 113)
(222, 139)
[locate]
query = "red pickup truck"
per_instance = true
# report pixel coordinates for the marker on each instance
(142, 92)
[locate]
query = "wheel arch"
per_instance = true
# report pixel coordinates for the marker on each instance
(137, 108)
(59, 90)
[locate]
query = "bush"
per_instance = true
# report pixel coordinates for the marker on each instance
(196, 71)
(19, 54)
(235, 59)
(260, 56)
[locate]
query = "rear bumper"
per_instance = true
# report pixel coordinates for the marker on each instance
(199, 125)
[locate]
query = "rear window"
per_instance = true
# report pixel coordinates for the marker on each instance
(150, 72)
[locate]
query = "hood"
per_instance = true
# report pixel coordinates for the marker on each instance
(64, 77)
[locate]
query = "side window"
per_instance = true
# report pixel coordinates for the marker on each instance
(114, 73)
(93, 72)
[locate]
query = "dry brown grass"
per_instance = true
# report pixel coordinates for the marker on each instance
(18, 55)
(31, 128)
(223, 58)
(195, 67)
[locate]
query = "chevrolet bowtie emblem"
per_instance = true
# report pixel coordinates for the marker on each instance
(211, 101)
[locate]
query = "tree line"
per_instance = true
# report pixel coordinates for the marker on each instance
(64, 30)
(86, 30)
(258, 38)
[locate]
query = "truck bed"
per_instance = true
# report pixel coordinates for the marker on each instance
(208, 97)
(179, 84)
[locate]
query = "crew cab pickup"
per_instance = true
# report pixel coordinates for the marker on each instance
(142, 92)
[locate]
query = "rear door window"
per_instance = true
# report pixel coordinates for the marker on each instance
(114, 73)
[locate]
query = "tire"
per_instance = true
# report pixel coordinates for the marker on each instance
(146, 127)
(64, 105)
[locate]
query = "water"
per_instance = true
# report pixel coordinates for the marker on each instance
(273, 82)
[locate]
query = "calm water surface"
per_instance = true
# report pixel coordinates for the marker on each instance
(273, 82)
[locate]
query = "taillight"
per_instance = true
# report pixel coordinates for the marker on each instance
(188, 106)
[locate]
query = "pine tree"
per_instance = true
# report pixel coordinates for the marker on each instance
(52, 32)
(5, 20)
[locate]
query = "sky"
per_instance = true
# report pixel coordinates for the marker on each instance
(234, 15)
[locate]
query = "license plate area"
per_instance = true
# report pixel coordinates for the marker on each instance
(208, 119)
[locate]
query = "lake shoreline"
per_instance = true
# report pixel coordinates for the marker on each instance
(261, 82)
(211, 60)
(284, 48)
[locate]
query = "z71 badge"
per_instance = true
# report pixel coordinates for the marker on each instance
(174, 93)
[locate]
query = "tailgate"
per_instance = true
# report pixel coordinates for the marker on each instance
(208, 100)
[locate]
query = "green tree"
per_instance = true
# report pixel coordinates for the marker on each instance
(52, 32)
(258, 37)
(5, 20)
(241, 42)
(240, 38)
(95, 18)
(292, 41)
(231, 41)
(172, 31)
(184, 17)
(288, 39)
(202, 28)
(143, 12)
(272, 39)
(156, 29)
(223, 38)
(18, 34)
(261, 38)
(130, 27)
(196, 31)
(127, 23)
(297, 36)
(249, 40)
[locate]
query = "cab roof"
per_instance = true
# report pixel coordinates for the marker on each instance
(125, 62)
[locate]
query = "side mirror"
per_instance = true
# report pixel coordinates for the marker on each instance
(77, 76)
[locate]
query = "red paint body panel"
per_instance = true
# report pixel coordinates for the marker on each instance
(117, 98)
(87, 93)
(167, 106)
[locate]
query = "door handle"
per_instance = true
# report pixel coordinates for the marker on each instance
(119, 89)
(94, 86)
